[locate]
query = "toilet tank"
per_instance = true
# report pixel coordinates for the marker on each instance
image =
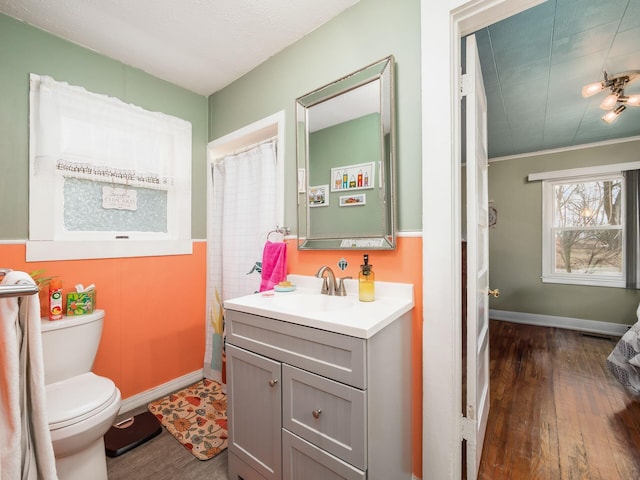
(69, 346)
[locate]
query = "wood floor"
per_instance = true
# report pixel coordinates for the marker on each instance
(556, 412)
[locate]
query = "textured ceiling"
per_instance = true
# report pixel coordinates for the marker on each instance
(534, 65)
(201, 45)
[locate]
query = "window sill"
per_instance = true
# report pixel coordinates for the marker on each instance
(82, 250)
(589, 282)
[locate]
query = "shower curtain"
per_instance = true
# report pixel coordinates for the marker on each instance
(240, 219)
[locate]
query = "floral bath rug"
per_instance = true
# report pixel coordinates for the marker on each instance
(197, 417)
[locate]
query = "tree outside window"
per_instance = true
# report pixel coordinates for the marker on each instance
(584, 225)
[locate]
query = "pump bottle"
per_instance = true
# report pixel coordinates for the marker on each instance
(366, 282)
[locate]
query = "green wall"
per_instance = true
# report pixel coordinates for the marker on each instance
(363, 34)
(25, 50)
(349, 143)
(515, 244)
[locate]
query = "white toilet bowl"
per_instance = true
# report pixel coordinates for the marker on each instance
(80, 410)
(81, 406)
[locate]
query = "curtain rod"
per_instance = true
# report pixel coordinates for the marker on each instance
(246, 148)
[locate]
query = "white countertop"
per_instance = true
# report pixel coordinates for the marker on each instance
(345, 315)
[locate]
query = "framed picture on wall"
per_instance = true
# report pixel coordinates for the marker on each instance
(353, 177)
(353, 200)
(318, 196)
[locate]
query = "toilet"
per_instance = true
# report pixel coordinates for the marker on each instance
(81, 406)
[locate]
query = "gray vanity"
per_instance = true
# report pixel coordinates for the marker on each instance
(319, 387)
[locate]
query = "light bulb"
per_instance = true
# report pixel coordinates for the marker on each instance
(633, 100)
(592, 89)
(609, 102)
(613, 115)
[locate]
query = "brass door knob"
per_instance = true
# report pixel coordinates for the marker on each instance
(494, 293)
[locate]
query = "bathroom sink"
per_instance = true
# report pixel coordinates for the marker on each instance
(309, 302)
(346, 315)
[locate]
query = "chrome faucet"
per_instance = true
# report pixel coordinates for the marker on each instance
(329, 284)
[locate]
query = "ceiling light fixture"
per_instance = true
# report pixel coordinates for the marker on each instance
(616, 102)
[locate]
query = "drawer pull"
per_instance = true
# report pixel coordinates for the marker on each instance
(316, 413)
(273, 382)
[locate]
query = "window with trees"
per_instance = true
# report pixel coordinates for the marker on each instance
(584, 230)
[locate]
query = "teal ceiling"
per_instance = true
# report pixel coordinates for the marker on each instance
(534, 65)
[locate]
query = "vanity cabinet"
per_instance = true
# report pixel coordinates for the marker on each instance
(307, 403)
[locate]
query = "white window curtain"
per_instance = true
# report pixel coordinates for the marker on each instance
(77, 134)
(243, 212)
(87, 135)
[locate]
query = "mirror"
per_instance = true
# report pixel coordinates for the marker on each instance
(346, 162)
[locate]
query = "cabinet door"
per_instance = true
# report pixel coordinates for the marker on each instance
(302, 460)
(328, 414)
(254, 411)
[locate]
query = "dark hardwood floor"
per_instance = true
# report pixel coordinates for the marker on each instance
(556, 412)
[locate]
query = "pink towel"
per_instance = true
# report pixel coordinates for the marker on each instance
(274, 264)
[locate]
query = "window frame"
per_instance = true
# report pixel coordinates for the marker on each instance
(549, 275)
(49, 241)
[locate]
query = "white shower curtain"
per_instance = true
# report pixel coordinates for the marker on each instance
(242, 215)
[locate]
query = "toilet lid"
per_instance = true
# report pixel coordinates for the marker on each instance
(74, 399)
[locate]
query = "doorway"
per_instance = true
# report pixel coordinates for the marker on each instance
(444, 25)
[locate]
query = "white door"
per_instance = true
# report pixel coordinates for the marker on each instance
(477, 403)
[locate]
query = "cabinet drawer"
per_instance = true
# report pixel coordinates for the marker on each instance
(333, 355)
(302, 460)
(328, 414)
(239, 470)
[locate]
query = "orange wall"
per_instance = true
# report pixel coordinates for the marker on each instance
(154, 312)
(154, 328)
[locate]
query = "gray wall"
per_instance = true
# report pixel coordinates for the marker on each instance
(24, 50)
(367, 32)
(515, 244)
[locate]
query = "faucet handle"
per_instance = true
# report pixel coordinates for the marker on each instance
(341, 291)
(325, 287)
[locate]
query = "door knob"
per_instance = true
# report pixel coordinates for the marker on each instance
(495, 292)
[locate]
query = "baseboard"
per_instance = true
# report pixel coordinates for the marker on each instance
(154, 393)
(592, 326)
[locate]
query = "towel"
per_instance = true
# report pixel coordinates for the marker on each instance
(26, 451)
(274, 264)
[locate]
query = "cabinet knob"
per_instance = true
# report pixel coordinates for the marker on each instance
(272, 382)
(316, 413)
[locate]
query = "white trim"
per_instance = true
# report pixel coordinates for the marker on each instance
(584, 171)
(585, 280)
(592, 326)
(160, 391)
(70, 250)
(550, 151)
(409, 234)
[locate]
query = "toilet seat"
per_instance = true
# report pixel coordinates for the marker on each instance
(78, 398)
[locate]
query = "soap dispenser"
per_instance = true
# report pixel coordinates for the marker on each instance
(366, 282)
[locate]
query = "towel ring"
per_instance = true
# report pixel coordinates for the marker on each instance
(281, 230)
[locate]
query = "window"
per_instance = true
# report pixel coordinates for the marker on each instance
(584, 230)
(107, 179)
